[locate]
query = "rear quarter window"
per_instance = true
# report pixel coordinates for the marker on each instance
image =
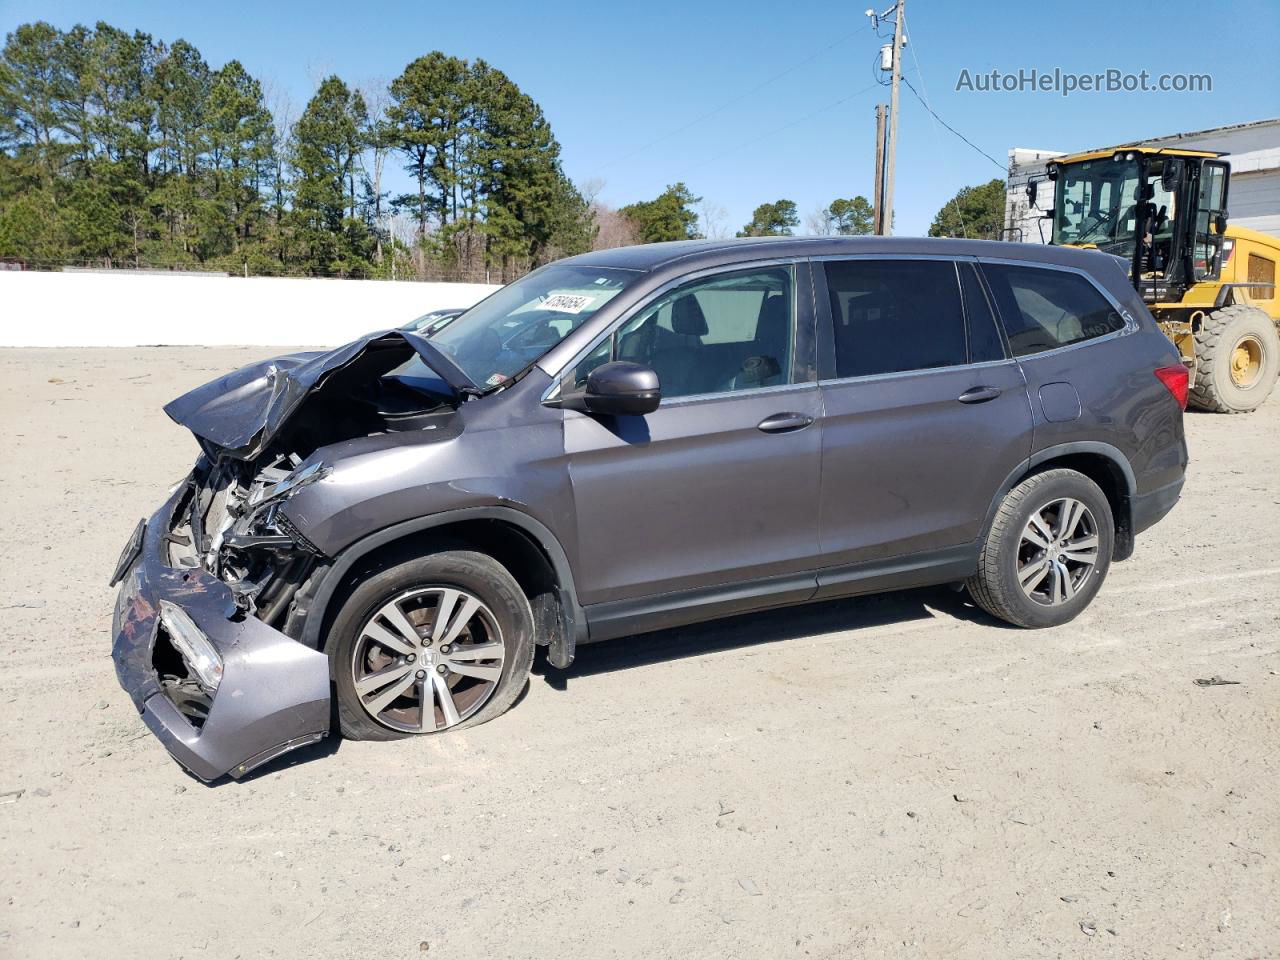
(1043, 309)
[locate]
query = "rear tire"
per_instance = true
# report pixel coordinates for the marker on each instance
(468, 669)
(1043, 561)
(1237, 360)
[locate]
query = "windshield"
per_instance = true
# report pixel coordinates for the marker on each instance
(430, 323)
(1097, 201)
(1095, 204)
(501, 336)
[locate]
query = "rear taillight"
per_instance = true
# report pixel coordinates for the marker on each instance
(1175, 378)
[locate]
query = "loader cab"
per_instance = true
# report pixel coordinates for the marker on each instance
(1164, 211)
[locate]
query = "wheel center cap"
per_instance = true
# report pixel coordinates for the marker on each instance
(428, 657)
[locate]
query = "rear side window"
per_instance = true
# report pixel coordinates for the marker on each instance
(1044, 309)
(984, 336)
(892, 316)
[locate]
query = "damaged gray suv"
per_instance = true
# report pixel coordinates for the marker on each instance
(631, 440)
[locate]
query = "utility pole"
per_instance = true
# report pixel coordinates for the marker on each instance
(894, 53)
(877, 216)
(892, 145)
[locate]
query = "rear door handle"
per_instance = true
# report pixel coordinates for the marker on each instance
(784, 422)
(979, 394)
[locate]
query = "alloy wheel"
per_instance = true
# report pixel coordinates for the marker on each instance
(1058, 551)
(427, 659)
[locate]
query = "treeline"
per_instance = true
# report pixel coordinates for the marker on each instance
(676, 214)
(120, 150)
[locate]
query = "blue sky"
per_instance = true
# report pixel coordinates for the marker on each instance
(645, 95)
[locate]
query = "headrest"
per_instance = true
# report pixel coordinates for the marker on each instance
(687, 317)
(773, 314)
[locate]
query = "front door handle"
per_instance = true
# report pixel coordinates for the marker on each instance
(979, 394)
(784, 422)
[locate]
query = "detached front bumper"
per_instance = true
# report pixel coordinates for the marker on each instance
(274, 693)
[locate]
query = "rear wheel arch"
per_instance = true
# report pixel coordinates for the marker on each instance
(1102, 463)
(1048, 551)
(521, 544)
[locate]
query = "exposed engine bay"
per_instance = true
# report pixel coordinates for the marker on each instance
(229, 520)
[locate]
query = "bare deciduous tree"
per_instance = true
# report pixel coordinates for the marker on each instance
(377, 98)
(612, 228)
(712, 218)
(817, 223)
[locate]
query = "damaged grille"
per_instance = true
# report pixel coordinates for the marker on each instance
(285, 526)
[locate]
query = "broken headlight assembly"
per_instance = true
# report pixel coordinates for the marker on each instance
(199, 655)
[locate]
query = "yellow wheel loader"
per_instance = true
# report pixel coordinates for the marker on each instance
(1211, 286)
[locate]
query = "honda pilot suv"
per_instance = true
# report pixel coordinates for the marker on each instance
(631, 440)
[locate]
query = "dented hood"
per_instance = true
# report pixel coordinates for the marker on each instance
(243, 411)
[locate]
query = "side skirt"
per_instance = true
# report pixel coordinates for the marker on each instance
(620, 618)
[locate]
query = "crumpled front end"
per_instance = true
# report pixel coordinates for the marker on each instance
(216, 585)
(223, 691)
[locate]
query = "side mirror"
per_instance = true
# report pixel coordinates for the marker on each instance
(1171, 174)
(1220, 222)
(1033, 191)
(618, 389)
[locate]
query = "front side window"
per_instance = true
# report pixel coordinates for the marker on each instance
(503, 335)
(893, 316)
(724, 333)
(1044, 309)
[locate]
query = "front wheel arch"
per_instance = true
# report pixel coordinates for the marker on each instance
(542, 569)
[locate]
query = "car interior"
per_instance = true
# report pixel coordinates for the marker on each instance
(693, 355)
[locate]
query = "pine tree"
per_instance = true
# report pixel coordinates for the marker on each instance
(776, 219)
(670, 216)
(327, 140)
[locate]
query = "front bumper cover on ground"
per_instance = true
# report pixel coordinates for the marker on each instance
(274, 693)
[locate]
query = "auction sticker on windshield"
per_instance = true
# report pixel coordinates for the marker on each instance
(566, 302)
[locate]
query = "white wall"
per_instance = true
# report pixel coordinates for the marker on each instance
(1022, 222)
(123, 308)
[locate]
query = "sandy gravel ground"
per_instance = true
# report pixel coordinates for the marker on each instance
(896, 776)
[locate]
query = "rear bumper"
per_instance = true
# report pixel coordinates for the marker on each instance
(274, 693)
(1149, 509)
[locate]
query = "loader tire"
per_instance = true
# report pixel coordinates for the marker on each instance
(1238, 357)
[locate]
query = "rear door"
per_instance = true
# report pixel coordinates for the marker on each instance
(925, 415)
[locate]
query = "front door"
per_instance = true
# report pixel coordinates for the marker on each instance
(719, 484)
(925, 415)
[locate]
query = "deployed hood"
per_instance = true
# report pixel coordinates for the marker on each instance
(243, 411)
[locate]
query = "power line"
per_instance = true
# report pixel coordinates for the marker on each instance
(933, 119)
(728, 103)
(925, 104)
(777, 130)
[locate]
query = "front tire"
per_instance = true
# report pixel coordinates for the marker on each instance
(1237, 360)
(1047, 552)
(435, 643)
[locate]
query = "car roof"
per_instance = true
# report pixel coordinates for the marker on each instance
(694, 254)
